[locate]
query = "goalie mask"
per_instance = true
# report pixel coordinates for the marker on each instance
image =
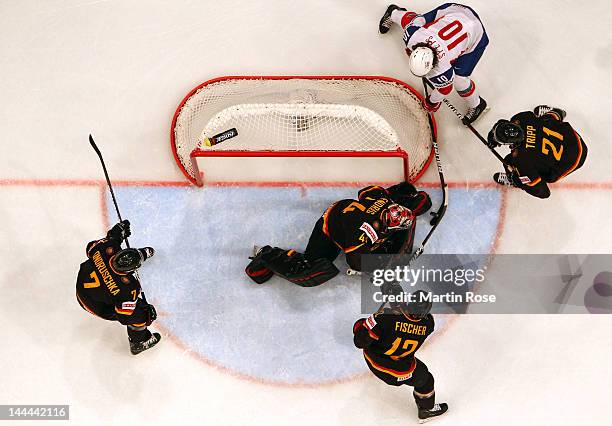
(397, 217)
(127, 260)
(507, 133)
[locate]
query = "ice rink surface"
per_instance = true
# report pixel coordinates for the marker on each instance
(232, 353)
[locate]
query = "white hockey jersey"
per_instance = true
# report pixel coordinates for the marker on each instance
(453, 30)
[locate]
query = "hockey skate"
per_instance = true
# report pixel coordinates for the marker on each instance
(503, 179)
(385, 22)
(436, 411)
(541, 110)
(138, 347)
(473, 114)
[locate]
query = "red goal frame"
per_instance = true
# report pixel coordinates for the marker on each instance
(197, 153)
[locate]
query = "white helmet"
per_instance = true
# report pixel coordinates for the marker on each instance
(421, 60)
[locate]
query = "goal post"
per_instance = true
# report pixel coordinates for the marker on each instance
(302, 116)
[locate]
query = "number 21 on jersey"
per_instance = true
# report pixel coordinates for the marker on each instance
(548, 146)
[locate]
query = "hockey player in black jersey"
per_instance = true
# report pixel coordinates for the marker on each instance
(391, 337)
(380, 221)
(108, 288)
(543, 149)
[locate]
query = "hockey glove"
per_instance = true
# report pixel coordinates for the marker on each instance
(150, 314)
(120, 231)
(146, 252)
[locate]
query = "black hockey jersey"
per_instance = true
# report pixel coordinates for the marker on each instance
(551, 150)
(105, 292)
(390, 339)
(356, 225)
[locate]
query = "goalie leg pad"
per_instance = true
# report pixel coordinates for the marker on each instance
(257, 269)
(294, 267)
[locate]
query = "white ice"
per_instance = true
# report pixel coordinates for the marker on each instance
(118, 69)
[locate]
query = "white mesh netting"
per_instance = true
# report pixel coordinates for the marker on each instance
(300, 114)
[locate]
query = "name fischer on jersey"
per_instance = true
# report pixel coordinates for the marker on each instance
(105, 274)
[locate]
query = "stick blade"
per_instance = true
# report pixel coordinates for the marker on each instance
(94, 146)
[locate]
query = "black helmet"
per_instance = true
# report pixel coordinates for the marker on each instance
(127, 260)
(507, 133)
(419, 306)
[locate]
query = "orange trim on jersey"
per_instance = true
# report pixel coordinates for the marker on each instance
(577, 159)
(411, 318)
(555, 115)
(352, 248)
(535, 182)
(372, 334)
(394, 373)
(124, 311)
(139, 324)
(326, 218)
(360, 194)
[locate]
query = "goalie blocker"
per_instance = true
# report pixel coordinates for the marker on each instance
(380, 221)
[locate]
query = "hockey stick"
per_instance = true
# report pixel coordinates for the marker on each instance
(110, 187)
(427, 83)
(437, 215)
(108, 182)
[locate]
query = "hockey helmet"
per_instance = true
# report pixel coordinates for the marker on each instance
(422, 60)
(507, 133)
(397, 217)
(127, 260)
(419, 305)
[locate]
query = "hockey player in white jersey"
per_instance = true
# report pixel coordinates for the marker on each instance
(444, 45)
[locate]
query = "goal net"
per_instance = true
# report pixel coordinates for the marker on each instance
(302, 117)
